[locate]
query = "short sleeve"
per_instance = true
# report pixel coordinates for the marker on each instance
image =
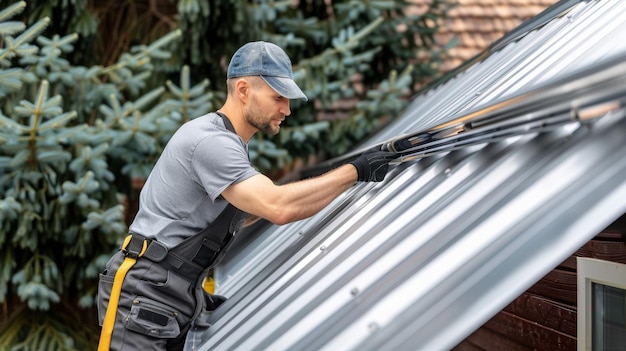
(219, 161)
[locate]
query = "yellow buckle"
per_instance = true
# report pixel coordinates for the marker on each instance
(133, 254)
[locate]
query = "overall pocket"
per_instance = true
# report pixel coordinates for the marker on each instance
(153, 319)
(105, 285)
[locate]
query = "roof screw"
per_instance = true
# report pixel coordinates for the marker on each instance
(447, 172)
(300, 232)
(478, 93)
(354, 291)
(373, 327)
(323, 247)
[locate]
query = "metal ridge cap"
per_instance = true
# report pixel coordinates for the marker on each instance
(608, 77)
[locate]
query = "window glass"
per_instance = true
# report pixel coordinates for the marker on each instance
(608, 318)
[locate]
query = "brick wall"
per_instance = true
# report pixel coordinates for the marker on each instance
(478, 23)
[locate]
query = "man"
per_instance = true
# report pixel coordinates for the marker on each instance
(193, 201)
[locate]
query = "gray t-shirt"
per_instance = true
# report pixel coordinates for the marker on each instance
(181, 196)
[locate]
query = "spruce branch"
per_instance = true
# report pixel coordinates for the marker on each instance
(19, 46)
(10, 11)
(189, 101)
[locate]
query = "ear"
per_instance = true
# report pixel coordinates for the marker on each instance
(242, 89)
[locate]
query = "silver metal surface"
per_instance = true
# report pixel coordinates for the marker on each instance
(525, 161)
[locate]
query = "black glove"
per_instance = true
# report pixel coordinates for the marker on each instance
(372, 165)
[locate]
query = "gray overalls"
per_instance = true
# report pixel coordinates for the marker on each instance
(159, 291)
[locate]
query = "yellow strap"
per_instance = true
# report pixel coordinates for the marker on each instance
(209, 285)
(109, 317)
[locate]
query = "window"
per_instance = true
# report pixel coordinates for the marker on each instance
(601, 305)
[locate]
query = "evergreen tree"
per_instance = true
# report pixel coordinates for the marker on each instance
(74, 134)
(357, 59)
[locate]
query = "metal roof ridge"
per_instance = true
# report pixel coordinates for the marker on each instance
(493, 118)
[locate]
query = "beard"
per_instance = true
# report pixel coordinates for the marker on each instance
(258, 121)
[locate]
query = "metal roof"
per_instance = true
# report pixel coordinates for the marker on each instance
(506, 168)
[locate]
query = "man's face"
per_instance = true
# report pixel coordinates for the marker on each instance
(266, 109)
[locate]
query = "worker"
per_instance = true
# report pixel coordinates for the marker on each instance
(196, 198)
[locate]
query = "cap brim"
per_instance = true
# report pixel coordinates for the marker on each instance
(285, 87)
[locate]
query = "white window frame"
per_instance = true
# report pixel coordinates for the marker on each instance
(591, 270)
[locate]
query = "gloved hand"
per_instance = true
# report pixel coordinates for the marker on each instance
(372, 165)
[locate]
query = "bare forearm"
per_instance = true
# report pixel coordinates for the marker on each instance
(282, 204)
(309, 196)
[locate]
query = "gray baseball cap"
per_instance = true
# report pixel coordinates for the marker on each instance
(268, 61)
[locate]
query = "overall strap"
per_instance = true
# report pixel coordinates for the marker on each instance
(201, 251)
(206, 249)
(227, 123)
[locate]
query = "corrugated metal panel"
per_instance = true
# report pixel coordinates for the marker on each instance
(424, 258)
